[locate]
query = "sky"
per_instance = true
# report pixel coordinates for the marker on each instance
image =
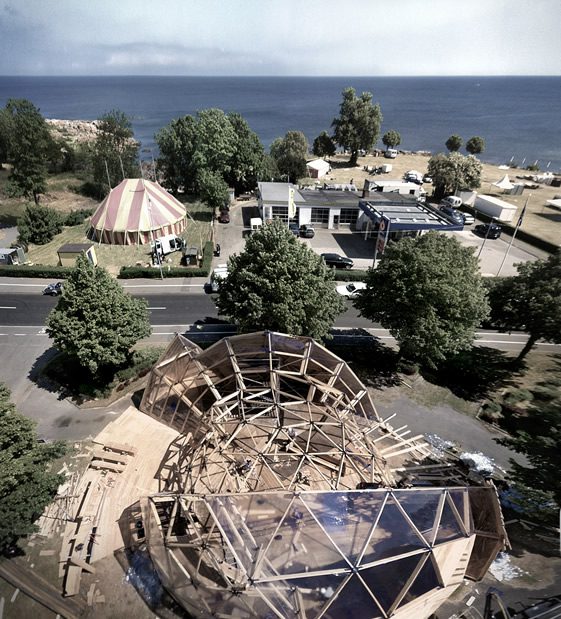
(280, 37)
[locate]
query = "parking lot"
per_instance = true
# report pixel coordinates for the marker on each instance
(231, 238)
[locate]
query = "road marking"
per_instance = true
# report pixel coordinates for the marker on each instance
(165, 286)
(157, 308)
(21, 334)
(7, 307)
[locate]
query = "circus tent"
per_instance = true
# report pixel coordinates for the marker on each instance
(136, 212)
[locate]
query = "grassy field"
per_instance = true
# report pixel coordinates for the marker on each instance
(62, 196)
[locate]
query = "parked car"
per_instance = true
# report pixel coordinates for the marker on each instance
(224, 217)
(218, 275)
(452, 201)
(390, 153)
(490, 231)
(427, 179)
(453, 215)
(338, 262)
(307, 232)
(54, 289)
(350, 291)
(468, 218)
(294, 228)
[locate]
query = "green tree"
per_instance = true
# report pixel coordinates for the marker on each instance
(454, 143)
(96, 322)
(391, 139)
(475, 145)
(323, 145)
(39, 225)
(530, 302)
(247, 164)
(177, 143)
(428, 292)
(5, 133)
(213, 191)
(358, 125)
(210, 142)
(114, 152)
(538, 437)
(454, 172)
(29, 140)
(290, 154)
(26, 483)
(278, 283)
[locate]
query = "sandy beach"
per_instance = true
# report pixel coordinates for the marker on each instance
(540, 219)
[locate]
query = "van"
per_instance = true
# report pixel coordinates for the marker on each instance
(453, 201)
(167, 244)
(390, 153)
(218, 275)
(255, 223)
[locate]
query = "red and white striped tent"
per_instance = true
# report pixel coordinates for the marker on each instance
(136, 212)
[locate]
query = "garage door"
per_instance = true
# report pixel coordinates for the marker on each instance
(281, 212)
(320, 217)
(349, 216)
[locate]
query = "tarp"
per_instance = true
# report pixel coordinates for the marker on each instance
(135, 212)
(504, 183)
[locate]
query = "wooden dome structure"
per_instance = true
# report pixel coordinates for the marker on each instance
(288, 496)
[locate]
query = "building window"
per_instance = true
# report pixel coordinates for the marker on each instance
(281, 212)
(348, 216)
(320, 216)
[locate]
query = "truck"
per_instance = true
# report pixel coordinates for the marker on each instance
(167, 244)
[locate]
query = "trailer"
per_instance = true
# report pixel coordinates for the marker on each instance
(496, 208)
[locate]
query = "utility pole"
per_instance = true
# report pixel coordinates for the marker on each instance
(514, 235)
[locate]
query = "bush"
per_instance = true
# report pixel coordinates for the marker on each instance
(517, 395)
(39, 224)
(39, 270)
(408, 367)
(75, 218)
(342, 275)
(545, 394)
(491, 412)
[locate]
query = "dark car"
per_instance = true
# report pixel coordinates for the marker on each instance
(490, 231)
(307, 232)
(224, 217)
(337, 261)
(53, 289)
(452, 214)
(293, 227)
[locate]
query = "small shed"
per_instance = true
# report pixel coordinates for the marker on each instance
(68, 253)
(12, 255)
(317, 168)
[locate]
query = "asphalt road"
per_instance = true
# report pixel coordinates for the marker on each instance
(23, 314)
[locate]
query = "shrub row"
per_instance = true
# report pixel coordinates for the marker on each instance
(36, 270)
(350, 276)
(154, 273)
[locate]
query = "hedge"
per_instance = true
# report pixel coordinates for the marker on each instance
(36, 270)
(354, 275)
(154, 273)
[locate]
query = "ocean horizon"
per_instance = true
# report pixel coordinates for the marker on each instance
(518, 116)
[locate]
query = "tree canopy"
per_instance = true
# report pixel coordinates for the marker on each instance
(290, 154)
(454, 172)
(358, 125)
(26, 484)
(39, 224)
(95, 321)
(210, 143)
(115, 152)
(27, 140)
(454, 143)
(278, 283)
(391, 139)
(323, 145)
(530, 302)
(428, 292)
(475, 145)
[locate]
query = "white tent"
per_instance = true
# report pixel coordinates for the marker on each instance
(317, 168)
(555, 203)
(504, 183)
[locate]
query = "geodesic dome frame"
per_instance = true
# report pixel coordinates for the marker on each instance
(288, 495)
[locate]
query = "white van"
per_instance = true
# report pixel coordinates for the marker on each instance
(452, 201)
(255, 223)
(218, 275)
(164, 245)
(390, 153)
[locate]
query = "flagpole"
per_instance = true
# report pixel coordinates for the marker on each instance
(513, 235)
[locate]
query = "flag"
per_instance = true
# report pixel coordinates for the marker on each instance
(291, 204)
(522, 215)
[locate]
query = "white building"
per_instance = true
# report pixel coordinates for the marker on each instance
(404, 188)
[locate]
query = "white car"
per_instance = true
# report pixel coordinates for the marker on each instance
(468, 218)
(350, 291)
(219, 274)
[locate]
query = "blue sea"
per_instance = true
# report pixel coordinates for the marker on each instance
(519, 117)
